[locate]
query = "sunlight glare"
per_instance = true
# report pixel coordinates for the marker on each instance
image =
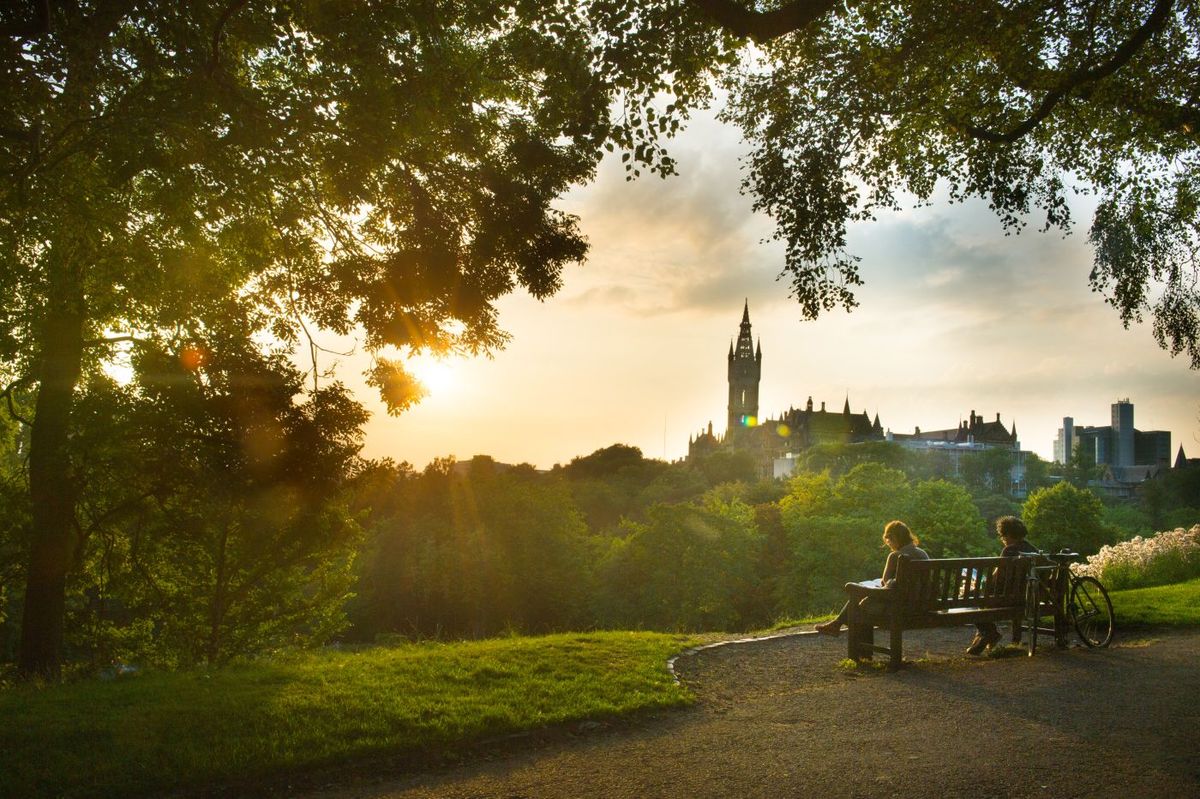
(436, 374)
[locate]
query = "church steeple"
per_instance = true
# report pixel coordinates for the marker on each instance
(745, 370)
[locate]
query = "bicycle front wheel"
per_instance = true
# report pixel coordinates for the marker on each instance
(1091, 612)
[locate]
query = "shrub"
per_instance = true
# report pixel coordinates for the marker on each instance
(1065, 517)
(1168, 557)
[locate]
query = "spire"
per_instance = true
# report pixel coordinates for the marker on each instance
(746, 312)
(1180, 459)
(846, 407)
(744, 349)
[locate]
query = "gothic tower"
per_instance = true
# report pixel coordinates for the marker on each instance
(745, 369)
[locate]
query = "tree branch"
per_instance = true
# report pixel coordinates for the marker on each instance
(214, 57)
(762, 26)
(1074, 80)
(8, 397)
(95, 342)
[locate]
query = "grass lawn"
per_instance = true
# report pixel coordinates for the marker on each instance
(159, 731)
(1174, 605)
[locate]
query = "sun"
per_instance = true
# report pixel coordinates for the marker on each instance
(435, 374)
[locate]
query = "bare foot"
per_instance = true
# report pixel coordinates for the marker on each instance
(829, 628)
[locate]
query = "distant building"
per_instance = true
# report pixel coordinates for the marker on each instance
(1182, 461)
(775, 442)
(1065, 444)
(971, 436)
(1124, 456)
(1119, 444)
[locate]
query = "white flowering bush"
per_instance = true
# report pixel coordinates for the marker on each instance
(1167, 557)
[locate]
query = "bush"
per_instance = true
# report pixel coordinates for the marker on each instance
(1065, 517)
(1168, 557)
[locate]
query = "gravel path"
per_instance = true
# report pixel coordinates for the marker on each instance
(779, 718)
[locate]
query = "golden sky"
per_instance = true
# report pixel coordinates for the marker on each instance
(955, 316)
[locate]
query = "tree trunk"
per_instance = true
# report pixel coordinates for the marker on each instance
(52, 492)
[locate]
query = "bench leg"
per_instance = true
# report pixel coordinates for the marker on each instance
(860, 639)
(897, 646)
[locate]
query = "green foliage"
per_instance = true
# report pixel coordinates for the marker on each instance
(194, 729)
(686, 568)
(1065, 517)
(946, 520)
(871, 491)
(1037, 472)
(808, 494)
(474, 552)
(610, 484)
(1126, 521)
(834, 531)
(865, 104)
(988, 471)
(827, 552)
(14, 531)
(838, 459)
(727, 466)
(993, 506)
(168, 168)
(212, 521)
(1170, 493)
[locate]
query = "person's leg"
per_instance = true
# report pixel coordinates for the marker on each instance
(834, 625)
(986, 636)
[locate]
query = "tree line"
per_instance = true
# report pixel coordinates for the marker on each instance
(217, 526)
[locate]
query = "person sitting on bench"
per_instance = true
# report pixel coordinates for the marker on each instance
(901, 541)
(1012, 534)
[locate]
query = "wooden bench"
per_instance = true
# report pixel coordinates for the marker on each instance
(944, 593)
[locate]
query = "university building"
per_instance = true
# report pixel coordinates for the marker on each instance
(776, 442)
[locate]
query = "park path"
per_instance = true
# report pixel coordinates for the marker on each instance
(778, 718)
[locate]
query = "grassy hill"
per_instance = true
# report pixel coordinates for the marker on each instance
(159, 731)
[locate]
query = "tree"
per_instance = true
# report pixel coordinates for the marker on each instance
(946, 520)
(474, 552)
(685, 568)
(1065, 517)
(988, 471)
(211, 521)
(1037, 472)
(166, 165)
(847, 106)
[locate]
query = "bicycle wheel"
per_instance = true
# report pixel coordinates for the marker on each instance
(1091, 611)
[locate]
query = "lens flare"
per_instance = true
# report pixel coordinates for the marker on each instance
(193, 357)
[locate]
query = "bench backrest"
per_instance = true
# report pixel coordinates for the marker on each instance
(933, 585)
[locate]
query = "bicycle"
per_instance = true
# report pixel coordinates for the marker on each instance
(1088, 608)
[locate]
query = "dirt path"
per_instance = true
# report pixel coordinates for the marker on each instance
(780, 719)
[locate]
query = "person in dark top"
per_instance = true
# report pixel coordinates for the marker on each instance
(901, 541)
(1012, 534)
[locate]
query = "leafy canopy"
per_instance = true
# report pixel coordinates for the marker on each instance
(851, 108)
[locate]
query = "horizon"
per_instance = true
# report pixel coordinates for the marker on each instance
(955, 316)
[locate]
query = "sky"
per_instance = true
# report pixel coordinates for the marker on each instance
(955, 317)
